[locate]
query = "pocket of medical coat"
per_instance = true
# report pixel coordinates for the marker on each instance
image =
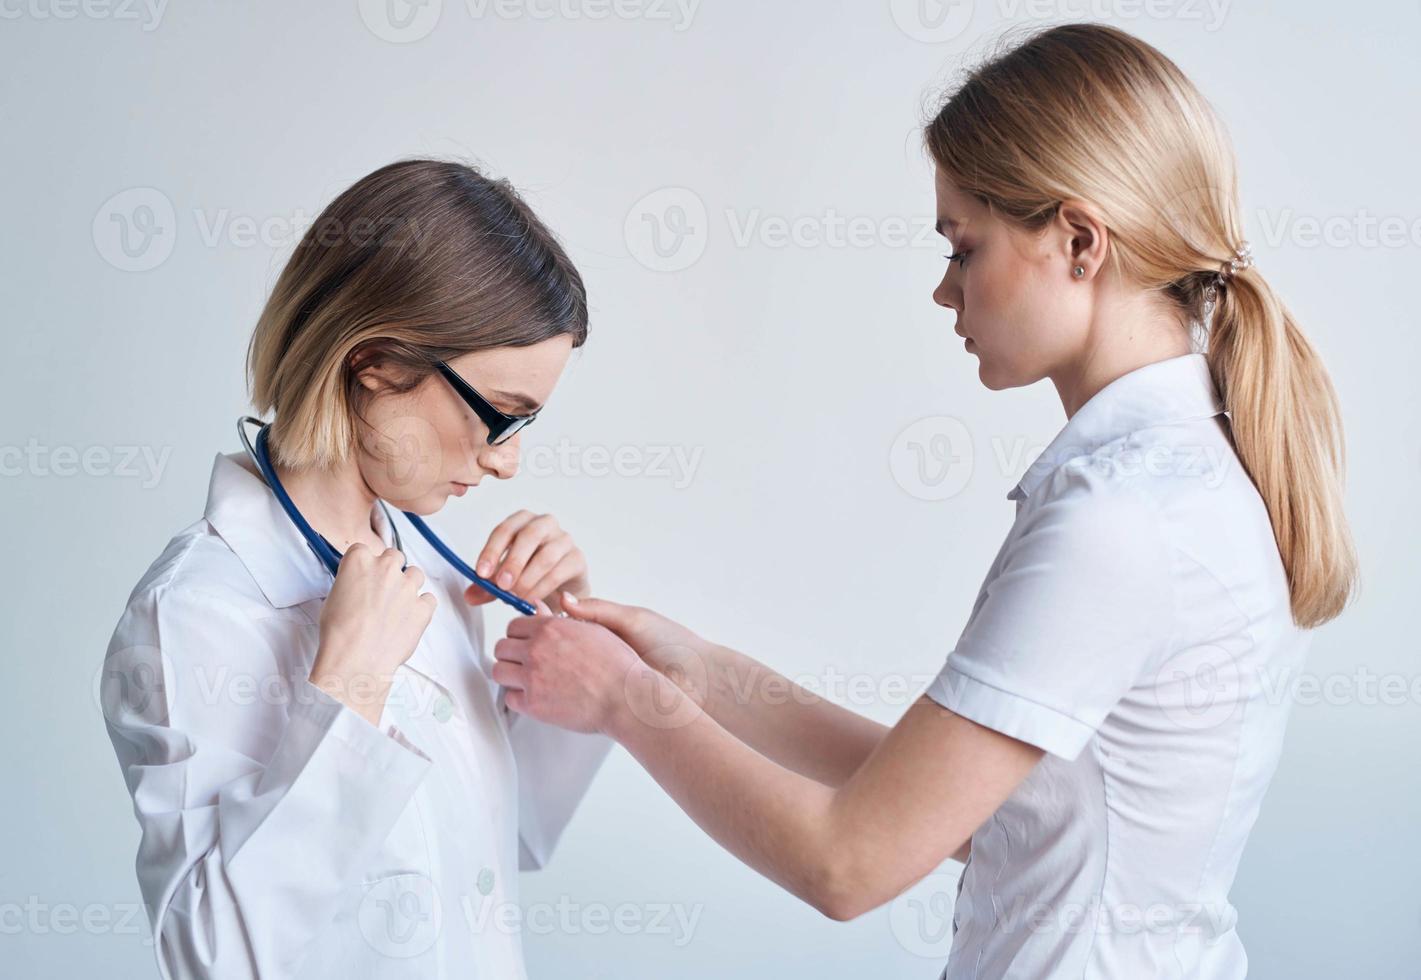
(406, 849)
(400, 916)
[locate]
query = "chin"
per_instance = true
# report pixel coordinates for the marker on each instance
(987, 376)
(995, 380)
(423, 506)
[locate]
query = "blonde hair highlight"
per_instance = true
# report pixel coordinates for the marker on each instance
(421, 260)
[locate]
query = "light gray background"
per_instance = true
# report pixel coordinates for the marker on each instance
(793, 368)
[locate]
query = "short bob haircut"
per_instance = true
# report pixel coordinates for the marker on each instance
(422, 260)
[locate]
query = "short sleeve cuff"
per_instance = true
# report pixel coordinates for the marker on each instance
(1008, 713)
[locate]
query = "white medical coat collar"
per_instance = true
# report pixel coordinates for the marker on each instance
(245, 513)
(1177, 389)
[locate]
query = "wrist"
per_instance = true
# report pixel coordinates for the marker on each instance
(692, 666)
(649, 702)
(365, 694)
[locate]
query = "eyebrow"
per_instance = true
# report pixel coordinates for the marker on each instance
(945, 225)
(520, 402)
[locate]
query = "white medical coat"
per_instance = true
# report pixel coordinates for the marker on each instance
(283, 835)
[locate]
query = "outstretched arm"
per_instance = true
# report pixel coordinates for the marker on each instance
(914, 802)
(757, 705)
(788, 724)
(775, 716)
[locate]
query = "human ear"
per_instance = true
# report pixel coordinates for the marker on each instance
(373, 372)
(1083, 238)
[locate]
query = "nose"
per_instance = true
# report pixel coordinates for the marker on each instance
(500, 460)
(948, 294)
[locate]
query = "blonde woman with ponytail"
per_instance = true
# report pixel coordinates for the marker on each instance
(1180, 535)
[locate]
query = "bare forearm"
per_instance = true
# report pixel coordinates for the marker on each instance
(831, 847)
(796, 728)
(776, 821)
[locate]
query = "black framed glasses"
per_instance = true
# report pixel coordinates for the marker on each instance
(501, 427)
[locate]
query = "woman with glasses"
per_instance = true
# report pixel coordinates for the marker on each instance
(1099, 741)
(325, 778)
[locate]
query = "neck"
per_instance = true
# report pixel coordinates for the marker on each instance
(1127, 332)
(336, 502)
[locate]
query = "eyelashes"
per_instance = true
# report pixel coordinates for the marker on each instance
(959, 257)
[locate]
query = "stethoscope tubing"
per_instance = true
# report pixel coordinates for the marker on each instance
(328, 555)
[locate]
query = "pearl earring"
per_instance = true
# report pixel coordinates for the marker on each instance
(1078, 271)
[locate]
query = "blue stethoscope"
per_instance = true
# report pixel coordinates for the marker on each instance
(328, 555)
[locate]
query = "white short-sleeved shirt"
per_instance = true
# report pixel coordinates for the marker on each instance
(283, 835)
(1136, 626)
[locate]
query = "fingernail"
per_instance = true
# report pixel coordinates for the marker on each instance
(484, 568)
(568, 599)
(505, 580)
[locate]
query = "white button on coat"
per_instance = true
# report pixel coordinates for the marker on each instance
(1136, 626)
(282, 834)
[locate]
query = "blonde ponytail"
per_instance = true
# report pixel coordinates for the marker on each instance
(1287, 431)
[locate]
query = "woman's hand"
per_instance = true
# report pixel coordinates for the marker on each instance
(370, 624)
(573, 675)
(663, 643)
(532, 557)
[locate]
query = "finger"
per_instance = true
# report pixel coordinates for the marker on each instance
(427, 604)
(510, 675)
(516, 701)
(543, 608)
(499, 539)
(528, 540)
(544, 560)
(477, 595)
(571, 566)
(523, 627)
(511, 649)
(603, 612)
(415, 577)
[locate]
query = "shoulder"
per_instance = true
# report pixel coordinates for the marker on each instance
(197, 577)
(1091, 500)
(1151, 480)
(1096, 539)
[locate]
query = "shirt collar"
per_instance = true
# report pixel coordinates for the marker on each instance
(246, 514)
(1178, 389)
